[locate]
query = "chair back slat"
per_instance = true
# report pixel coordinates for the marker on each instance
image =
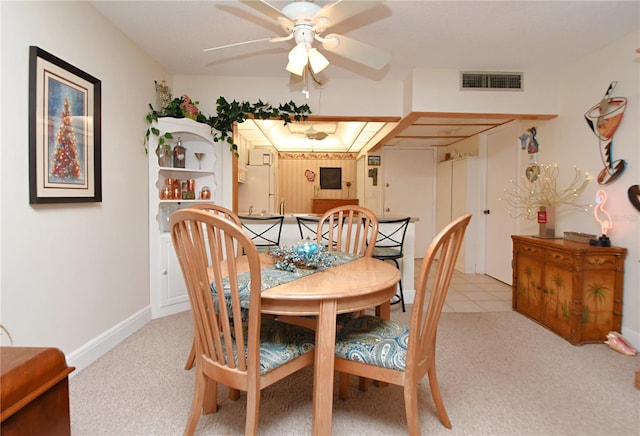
(434, 277)
(209, 249)
(220, 211)
(351, 229)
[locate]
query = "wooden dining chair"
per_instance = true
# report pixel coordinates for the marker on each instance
(348, 229)
(351, 229)
(225, 213)
(218, 210)
(235, 345)
(308, 228)
(383, 350)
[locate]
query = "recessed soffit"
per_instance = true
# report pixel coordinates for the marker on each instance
(418, 129)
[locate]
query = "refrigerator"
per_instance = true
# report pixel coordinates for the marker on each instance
(260, 189)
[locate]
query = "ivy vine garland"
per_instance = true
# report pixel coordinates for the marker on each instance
(227, 113)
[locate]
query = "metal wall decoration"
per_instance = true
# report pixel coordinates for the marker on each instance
(634, 196)
(603, 120)
(64, 132)
(532, 146)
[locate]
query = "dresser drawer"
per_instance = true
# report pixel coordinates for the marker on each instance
(600, 261)
(561, 257)
(531, 250)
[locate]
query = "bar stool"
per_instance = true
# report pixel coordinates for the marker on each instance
(389, 245)
(264, 231)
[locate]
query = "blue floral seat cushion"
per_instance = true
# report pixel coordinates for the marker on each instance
(280, 343)
(374, 341)
(244, 283)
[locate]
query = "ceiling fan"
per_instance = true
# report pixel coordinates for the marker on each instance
(311, 133)
(305, 21)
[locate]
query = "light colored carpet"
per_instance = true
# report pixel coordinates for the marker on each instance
(500, 374)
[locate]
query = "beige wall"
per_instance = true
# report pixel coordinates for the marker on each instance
(298, 192)
(75, 276)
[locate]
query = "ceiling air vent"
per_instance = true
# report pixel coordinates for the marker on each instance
(471, 80)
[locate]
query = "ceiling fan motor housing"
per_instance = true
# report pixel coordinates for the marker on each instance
(301, 12)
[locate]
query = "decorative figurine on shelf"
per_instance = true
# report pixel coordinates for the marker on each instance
(199, 156)
(163, 96)
(603, 218)
(165, 156)
(179, 155)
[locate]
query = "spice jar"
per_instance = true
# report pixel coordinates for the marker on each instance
(205, 193)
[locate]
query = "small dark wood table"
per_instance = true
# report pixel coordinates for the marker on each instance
(34, 392)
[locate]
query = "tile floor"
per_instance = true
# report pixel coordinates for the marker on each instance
(475, 293)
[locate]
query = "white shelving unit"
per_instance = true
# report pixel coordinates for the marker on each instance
(168, 292)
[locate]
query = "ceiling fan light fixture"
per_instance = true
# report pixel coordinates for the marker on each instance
(317, 61)
(298, 59)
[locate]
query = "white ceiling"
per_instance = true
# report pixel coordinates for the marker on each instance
(464, 35)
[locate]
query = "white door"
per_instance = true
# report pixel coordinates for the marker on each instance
(408, 190)
(502, 165)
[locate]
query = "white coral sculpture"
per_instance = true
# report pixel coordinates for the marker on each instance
(540, 188)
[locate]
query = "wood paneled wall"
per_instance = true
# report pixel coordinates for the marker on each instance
(297, 192)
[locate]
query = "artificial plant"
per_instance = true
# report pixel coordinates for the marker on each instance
(226, 114)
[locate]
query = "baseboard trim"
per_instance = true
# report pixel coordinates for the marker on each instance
(631, 336)
(102, 344)
(409, 295)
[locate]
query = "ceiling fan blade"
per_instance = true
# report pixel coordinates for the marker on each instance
(342, 10)
(270, 11)
(235, 44)
(357, 51)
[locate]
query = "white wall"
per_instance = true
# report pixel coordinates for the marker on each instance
(438, 90)
(72, 274)
(339, 97)
(568, 141)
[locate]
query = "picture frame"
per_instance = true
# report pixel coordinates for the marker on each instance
(64, 131)
(373, 160)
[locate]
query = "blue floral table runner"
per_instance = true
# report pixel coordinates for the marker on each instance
(272, 277)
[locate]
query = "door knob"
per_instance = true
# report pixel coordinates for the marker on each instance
(486, 212)
(387, 210)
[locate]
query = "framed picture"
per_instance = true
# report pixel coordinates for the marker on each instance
(64, 132)
(374, 160)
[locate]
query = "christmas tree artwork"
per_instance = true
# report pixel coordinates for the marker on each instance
(65, 165)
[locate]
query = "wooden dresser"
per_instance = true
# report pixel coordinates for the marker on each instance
(572, 288)
(34, 392)
(321, 205)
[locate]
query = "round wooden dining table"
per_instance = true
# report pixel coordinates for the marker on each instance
(350, 287)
